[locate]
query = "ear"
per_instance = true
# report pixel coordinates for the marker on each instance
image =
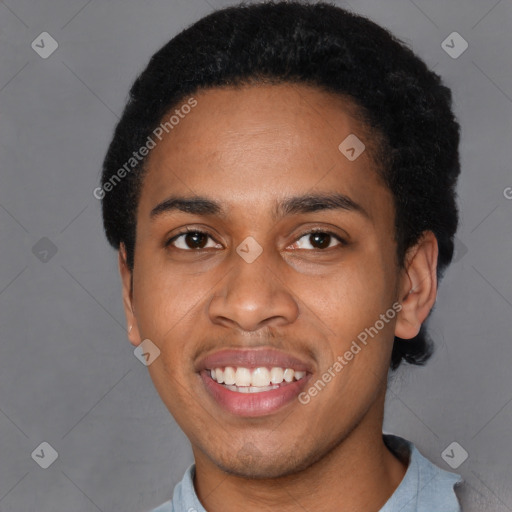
(418, 286)
(126, 278)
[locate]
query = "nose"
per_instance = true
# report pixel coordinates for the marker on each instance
(252, 296)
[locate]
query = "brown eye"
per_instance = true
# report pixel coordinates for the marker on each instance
(195, 240)
(191, 240)
(318, 240)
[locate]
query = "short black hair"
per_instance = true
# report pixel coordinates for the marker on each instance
(403, 103)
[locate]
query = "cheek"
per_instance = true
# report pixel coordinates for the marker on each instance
(349, 305)
(163, 298)
(354, 358)
(355, 294)
(167, 312)
(167, 309)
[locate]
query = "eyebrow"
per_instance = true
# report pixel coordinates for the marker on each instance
(307, 203)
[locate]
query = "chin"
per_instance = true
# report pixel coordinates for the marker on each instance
(252, 464)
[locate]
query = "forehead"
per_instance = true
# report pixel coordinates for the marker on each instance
(251, 144)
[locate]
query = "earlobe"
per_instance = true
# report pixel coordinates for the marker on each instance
(127, 282)
(418, 287)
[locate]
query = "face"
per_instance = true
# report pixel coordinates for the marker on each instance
(267, 280)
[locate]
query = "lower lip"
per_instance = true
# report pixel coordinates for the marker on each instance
(253, 404)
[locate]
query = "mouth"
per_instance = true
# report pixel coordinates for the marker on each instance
(253, 383)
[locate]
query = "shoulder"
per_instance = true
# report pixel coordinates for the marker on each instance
(425, 486)
(184, 497)
(164, 507)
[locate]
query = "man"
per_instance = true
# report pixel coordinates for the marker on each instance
(281, 190)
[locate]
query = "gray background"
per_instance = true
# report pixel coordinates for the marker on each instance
(68, 375)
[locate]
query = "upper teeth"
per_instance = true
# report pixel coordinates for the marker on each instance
(254, 377)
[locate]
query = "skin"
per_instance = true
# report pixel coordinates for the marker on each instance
(248, 148)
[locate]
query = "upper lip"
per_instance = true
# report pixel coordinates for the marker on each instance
(252, 358)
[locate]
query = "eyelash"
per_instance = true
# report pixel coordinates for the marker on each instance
(186, 231)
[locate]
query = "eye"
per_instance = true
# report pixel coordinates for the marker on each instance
(192, 240)
(318, 239)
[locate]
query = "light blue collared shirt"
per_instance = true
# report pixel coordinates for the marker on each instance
(424, 488)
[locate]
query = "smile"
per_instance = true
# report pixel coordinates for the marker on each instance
(255, 380)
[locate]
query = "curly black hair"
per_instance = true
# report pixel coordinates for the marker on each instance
(403, 103)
